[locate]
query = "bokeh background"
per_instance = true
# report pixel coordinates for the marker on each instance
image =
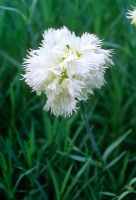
(45, 157)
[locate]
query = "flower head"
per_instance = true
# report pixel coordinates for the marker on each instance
(132, 15)
(66, 68)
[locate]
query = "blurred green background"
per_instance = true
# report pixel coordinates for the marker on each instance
(45, 157)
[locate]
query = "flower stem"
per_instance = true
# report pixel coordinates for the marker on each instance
(89, 131)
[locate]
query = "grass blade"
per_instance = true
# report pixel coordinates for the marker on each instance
(115, 144)
(64, 183)
(76, 178)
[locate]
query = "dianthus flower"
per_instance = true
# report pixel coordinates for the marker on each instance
(132, 15)
(66, 68)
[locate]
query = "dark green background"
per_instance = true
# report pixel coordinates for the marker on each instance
(45, 157)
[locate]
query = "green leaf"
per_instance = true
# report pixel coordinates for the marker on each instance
(115, 144)
(75, 179)
(14, 10)
(114, 161)
(64, 183)
(123, 195)
(133, 181)
(23, 175)
(108, 194)
(2, 186)
(54, 180)
(122, 174)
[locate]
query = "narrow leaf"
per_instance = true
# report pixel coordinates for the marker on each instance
(76, 178)
(115, 144)
(114, 161)
(64, 183)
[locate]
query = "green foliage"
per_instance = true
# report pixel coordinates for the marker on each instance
(45, 157)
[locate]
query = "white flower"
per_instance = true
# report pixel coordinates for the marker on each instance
(66, 68)
(132, 15)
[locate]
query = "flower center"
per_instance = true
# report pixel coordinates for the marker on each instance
(78, 53)
(63, 75)
(68, 52)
